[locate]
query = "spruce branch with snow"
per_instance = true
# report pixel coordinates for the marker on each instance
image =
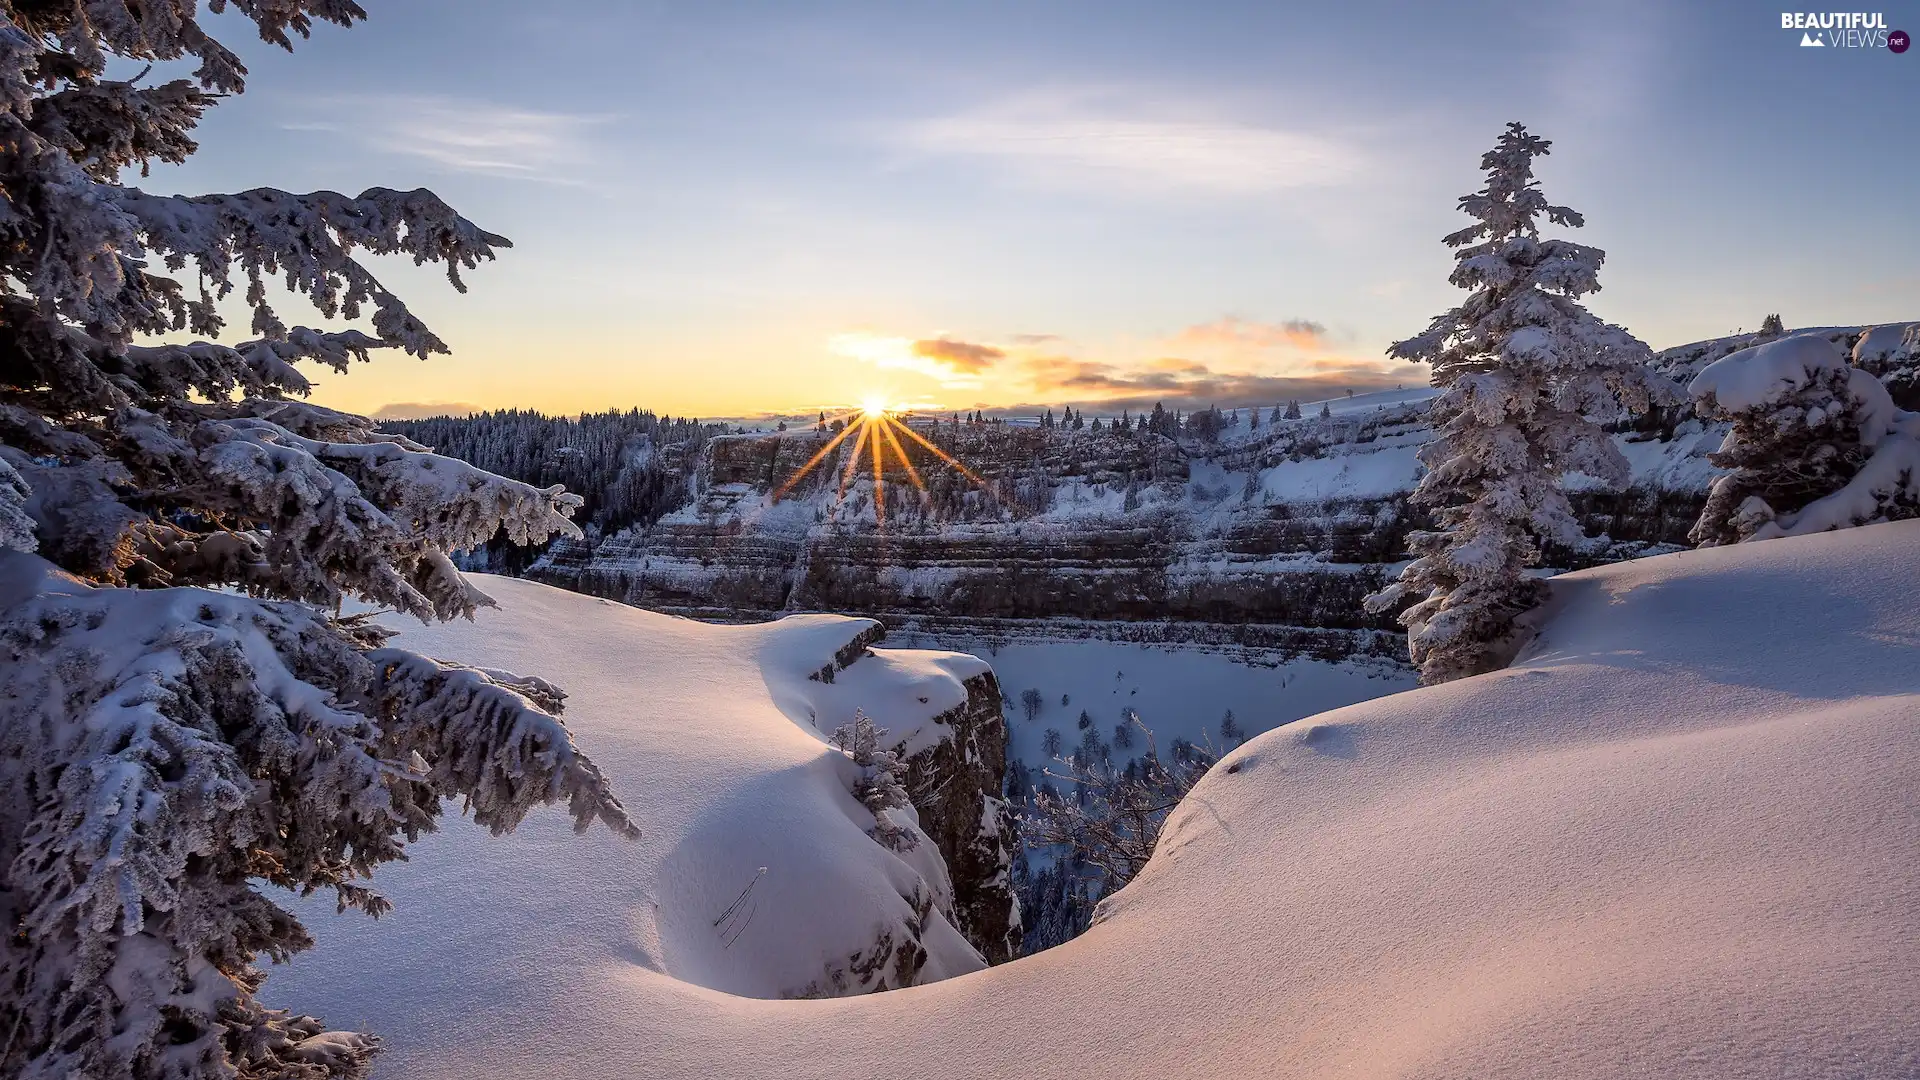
(166, 747)
(1816, 443)
(1523, 370)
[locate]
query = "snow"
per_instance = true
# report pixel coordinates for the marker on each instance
(716, 737)
(1883, 345)
(1887, 484)
(1360, 403)
(1380, 474)
(1677, 838)
(1180, 692)
(1801, 384)
(1763, 374)
(1676, 464)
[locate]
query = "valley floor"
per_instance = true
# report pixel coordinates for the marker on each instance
(1680, 837)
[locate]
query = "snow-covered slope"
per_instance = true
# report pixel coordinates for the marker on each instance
(1681, 837)
(718, 738)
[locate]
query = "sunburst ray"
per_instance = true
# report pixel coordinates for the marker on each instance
(942, 455)
(853, 459)
(874, 430)
(879, 425)
(886, 428)
(819, 455)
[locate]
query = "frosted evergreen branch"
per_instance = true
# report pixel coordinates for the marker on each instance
(484, 740)
(309, 241)
(215, 740)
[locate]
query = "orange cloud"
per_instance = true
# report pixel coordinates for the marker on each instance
(1232, 332)
(415, 410)
(1234, 370)
(1186, 384)
(962, 356)
(1176, 365)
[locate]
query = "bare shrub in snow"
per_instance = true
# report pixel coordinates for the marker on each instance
(164, 746)
(1521, 366)
(1112, 822)
(1816, 444)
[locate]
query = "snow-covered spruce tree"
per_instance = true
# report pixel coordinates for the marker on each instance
(879, 781)
(1816, 444)
(166, 748)
(1521, 366)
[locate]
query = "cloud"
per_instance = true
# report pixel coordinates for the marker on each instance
(1177, 365)
(961, 356)
(1080, 139)
(951, 362)
(1304, 334)
(414, 410)
(466, 136)
(1231, 372)
(1185, 384)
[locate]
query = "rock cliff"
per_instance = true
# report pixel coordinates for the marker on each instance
(954, 782)
(1267, 535)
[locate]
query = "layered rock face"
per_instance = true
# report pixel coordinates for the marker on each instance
(954, 786)
(1268, 536)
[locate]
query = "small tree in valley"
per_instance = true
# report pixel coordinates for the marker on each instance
(1231, 733)
(1031, 702)
(1521, 366)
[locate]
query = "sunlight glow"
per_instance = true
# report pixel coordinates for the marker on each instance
(876, 431)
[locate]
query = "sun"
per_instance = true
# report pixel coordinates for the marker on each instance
(877, 430)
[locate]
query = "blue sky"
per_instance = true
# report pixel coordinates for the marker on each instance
(732, 209)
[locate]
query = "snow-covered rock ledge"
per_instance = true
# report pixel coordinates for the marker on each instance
(755, 875)
(1680, 838)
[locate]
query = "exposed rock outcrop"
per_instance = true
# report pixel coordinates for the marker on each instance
(954, 782)
(955, 786)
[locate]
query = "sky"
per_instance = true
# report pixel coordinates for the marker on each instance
(745, 210)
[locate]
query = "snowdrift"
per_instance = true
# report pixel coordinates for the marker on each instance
(718, 736)
(1680, 837)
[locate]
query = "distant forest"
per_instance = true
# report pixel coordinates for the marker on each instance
(631, 467)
